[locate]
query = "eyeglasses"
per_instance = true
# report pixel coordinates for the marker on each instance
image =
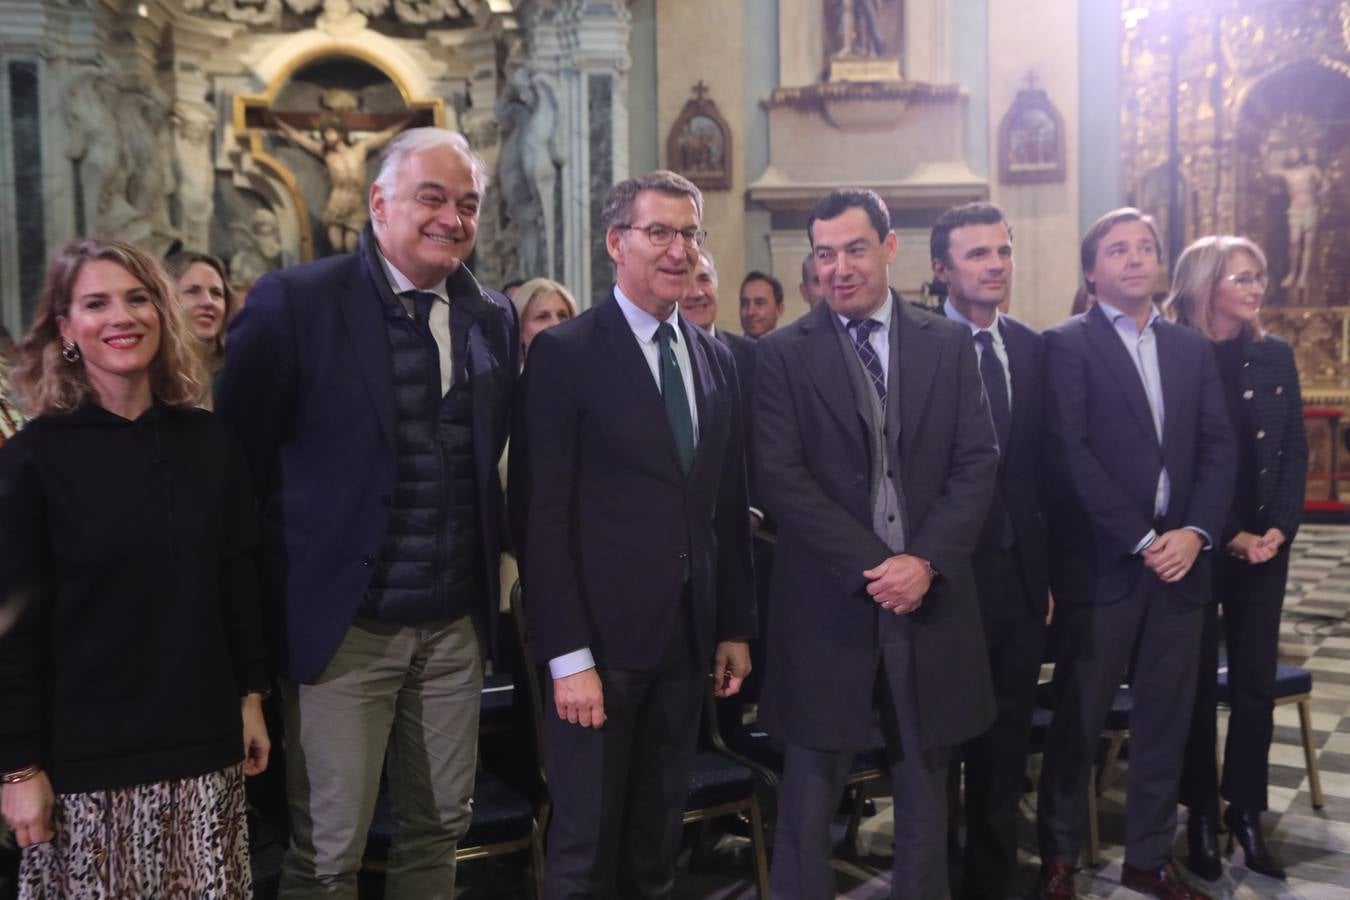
(664, 235)
(1246, 280)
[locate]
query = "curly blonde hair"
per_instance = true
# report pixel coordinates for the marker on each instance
(46, 383)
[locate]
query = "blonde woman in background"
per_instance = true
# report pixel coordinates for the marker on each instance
(541, 303)
(203, 290)
(1217, 290)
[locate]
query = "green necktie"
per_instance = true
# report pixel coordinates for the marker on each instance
(677, 400)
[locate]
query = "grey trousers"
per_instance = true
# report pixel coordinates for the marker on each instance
(813, 784)
(1157, 635)
(410, 692)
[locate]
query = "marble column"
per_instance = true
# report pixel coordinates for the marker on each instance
(580, 48)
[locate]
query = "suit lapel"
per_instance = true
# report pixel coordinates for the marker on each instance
(916, 356)
(623, 344)
(1019, 364)
(1103, 338)
(705, 390)
(1173, 379)
(362, 303)
(823, 360)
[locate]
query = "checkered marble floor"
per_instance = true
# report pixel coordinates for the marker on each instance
(1313, 845)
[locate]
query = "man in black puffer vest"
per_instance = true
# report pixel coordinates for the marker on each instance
(371, 392)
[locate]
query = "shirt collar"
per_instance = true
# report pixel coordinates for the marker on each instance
(643, 323)
(400, 284)
(882, 315)
(1114, 315)
(994, 331)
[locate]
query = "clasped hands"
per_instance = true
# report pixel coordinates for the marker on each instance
(1172, 553)
(899, 583)
(580, 698)
(1256, 549)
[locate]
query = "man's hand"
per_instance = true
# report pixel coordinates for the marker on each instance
(580, 699)
(1173, 553)
(257, 746)
(27, 807)
(730, 666)
(899, 583)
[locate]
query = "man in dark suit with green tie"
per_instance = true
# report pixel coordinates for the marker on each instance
(628, 487)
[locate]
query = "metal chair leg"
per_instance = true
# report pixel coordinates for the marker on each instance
(757, 843)
(1310, 753)
(1093, 849)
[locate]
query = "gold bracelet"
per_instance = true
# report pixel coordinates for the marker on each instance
(20, 775)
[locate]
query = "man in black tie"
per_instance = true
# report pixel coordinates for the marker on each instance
(877, 460)
(628, 486)
(972, 253)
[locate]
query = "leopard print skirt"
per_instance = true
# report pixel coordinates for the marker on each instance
(171, 840)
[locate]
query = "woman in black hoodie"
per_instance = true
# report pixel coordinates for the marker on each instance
(131, 662)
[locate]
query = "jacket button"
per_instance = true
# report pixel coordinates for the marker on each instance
(1260, 435)
(367, 560)
(1248, 394)
(1279, 389)
(1264, 471)
(684, 554)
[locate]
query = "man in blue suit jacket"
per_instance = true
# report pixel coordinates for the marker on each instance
(371, 393)
(1145, 464)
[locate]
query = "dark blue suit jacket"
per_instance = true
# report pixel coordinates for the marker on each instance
(1107, 456)
(308, 388)
(612, 529)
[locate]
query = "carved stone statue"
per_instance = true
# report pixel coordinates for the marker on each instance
(859, 28)
(90, 123)
(528, 166)
(194, 124)
(258, 247)
(346, 212)
(1306, 186)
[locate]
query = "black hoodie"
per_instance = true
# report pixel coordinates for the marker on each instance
(129, 626)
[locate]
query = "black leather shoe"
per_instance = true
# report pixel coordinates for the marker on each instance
(1245, 828)
(1164, 882)
(1057, 882)
(1202, 837)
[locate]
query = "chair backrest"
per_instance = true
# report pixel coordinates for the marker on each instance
(527, 684)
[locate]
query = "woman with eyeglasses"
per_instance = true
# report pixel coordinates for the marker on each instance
(1217, 290)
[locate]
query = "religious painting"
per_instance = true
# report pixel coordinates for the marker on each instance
(1031, 139)
(699, 145)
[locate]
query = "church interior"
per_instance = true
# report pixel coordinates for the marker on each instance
(250, 129)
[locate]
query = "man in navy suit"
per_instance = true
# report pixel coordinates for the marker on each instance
(371, 392)
(972, 253)
(628, 481)
(1144, 464)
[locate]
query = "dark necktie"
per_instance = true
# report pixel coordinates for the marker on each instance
(862, 332)
(995, 388)
(675, 396)
(422, 302)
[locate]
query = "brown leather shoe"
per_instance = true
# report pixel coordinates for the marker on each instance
(1164, 882)
(1057, 882)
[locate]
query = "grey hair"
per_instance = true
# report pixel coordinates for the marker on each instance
(618, 209)
(415, 140)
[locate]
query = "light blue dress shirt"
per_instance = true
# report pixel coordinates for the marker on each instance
(880, 338)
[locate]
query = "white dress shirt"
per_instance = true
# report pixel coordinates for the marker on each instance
(439, 321)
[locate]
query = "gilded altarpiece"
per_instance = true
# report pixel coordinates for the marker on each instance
(1235, 118)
